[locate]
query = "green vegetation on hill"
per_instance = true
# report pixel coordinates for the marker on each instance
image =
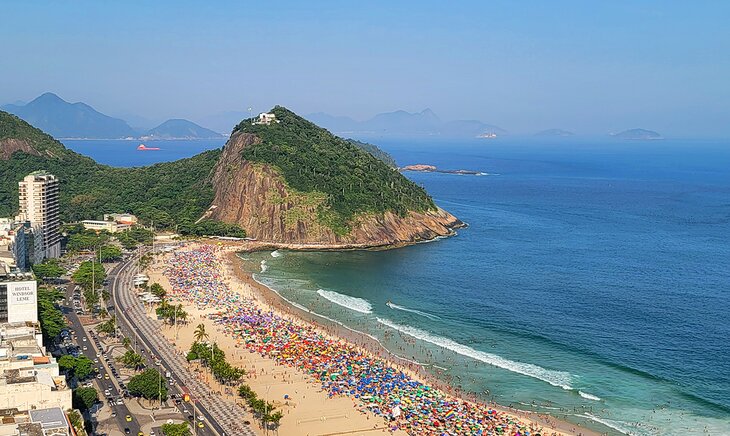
(312, 160)
(170, 194)
(375, 151)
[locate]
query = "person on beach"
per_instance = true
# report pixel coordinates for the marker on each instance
(340, 368)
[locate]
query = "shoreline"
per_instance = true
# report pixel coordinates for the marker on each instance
(245, 285)
(337, 330)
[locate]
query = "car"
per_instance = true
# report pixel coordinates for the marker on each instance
(200, 424)
(84, 339)
(98, 376)
(120, 401)
(106, 376)
(140, 434)
(114, 414)
(126, 429)
(85, 348)
(128, 418)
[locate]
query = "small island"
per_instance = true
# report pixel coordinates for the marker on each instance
(638, 135)
(422, 168)
(555, 132)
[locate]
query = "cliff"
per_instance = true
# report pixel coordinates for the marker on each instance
(257, 197)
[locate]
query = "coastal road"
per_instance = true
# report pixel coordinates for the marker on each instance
(225, 417)
(85, 340)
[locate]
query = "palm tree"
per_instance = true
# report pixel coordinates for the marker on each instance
(200, 333)
(126, 342)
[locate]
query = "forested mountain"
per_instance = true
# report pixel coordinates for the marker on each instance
(170, 194)
(292, 181)
(289, 182)
(180, 129)
(62, 119)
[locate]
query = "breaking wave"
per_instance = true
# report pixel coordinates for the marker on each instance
(417, 312)
(352, 303)
(556, 378)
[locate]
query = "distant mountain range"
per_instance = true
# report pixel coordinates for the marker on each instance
(402, 123)
(180, 129)
(62, 119)
(638, 134)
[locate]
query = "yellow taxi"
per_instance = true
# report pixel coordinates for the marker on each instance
(106, 376)
(128, 418)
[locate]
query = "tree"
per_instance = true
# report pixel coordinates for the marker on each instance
(88, 274)
(84, 367)
(50, 269)
(108, 327)
(49, 315)
(80, 367)
(181, 429)
(126, 342)
(149, 384)
(67, 363)
(200, 333)
(158, 291)
(84, 398)
(108, 253)
(130, 359)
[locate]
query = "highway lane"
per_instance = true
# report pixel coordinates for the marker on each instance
(224, 417)
(121, 410)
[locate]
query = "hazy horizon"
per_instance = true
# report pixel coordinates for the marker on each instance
(590, 69)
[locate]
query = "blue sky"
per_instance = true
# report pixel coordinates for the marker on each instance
(590, 67)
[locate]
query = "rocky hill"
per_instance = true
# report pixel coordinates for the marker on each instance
(172, 193)
(290, 183)
(295, 183)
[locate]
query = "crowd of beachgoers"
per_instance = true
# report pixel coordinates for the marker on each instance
(376, 386)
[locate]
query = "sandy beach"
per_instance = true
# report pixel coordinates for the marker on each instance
(308, 408)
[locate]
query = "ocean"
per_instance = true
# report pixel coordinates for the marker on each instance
(124, 153)
(592, 284)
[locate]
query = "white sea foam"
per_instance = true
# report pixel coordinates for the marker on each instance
(276, 253)
(264, 267)
(352, 303)
(298, 306)
(555, 378)
(405, 309)
(588, 396)
(616, 425)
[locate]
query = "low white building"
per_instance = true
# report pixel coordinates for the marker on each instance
(121, 218)
(109, 226)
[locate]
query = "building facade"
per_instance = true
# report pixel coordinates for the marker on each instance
(18, 296)
(39, 205)
(109, 226)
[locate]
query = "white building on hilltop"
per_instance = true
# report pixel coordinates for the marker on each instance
(39, 205)
(266, 118)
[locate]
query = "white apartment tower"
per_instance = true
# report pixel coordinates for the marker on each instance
(39, 204)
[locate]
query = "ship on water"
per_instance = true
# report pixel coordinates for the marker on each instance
(142, 147)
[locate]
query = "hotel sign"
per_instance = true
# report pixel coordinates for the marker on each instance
(21, 293)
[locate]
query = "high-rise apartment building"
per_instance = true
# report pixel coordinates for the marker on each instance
(39, 204)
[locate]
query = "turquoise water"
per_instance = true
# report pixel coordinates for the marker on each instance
(592, 284)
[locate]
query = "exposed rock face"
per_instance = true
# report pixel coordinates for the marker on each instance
(256, 197)
(9, 146)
